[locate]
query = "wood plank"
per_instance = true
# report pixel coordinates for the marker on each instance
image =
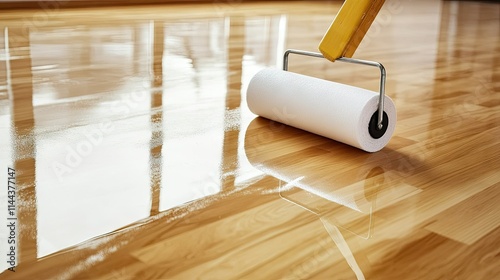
(188, 184)
(471, 219)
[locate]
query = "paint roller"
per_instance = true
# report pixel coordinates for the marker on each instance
(358, 117)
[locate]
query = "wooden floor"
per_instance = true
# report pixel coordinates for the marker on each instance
(136, 156)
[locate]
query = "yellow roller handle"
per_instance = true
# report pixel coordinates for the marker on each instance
(349, 27)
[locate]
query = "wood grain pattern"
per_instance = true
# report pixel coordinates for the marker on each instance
(137, 157)
(471, 220)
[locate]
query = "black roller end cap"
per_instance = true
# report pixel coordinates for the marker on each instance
(376, 133)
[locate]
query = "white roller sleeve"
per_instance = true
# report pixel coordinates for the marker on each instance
(337, 111)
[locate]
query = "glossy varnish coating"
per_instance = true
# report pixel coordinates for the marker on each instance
(137, 158)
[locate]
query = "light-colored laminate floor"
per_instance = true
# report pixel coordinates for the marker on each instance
(136, 156)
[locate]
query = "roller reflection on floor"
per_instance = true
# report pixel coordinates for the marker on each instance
(330, 179)
(338, 184)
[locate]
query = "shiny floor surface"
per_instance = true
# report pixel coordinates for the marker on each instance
(136, 156)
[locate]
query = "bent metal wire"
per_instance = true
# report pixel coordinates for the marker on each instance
(354, 61)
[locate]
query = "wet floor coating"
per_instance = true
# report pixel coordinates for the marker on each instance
(136, 156)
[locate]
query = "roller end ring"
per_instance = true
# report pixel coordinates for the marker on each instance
(377, 131)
